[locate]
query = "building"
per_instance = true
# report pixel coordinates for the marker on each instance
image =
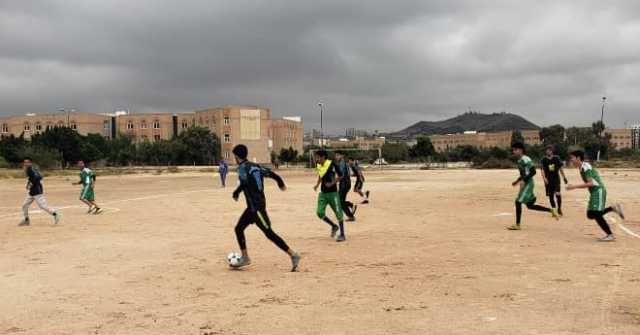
(353, 133)
(249, 125)
(482, 140)
(286, 133)
(359, 143)
(31, 124)
(635, 136)
(620, 138)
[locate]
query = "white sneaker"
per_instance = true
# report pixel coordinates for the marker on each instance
(617, 207)
(56, 218)
(608, 238)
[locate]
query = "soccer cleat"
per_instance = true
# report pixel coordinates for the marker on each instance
(355, 209)
(351, 219)
(334, 230)
(24, 222)
(366, 194)
(617, 208)
(514, 227)
(56, 218)
(341, 238)
(295, 261)
(560, 212)
(364, 202)
(90, 210)
(608, 238)
(554, 214)
(97, 211)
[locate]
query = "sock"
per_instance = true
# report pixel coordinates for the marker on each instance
(559, 201)
(552, 200)
(328, 221)
(341, 224)
(518, 213)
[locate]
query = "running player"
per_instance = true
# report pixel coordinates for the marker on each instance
(344, 187)
(36, 193)
(87, 194)
(551, 171)
(329, 176)
(598, 194)
(252, 185)
(357, 172)
(223, 170)
(526, 195)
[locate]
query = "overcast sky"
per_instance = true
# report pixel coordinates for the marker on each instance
(376, 64)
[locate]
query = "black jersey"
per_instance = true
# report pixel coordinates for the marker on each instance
(35, 182)
(551, 167)
(252, 184)
(328, 173)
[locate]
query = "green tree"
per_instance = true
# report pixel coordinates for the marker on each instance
(552, 135)
(65, 140)
(12, 148)
(423, 148)
(395, 152)
(516, 136)
(200, 146)
(288, 155)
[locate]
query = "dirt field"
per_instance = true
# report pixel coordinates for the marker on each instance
(429, 255)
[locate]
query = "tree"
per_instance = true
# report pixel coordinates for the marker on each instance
(516, 136)
(395, 152)
(288, 155)
(423, 148)
(66, 140)
(12, 148)
(200, 146)
(552, 135)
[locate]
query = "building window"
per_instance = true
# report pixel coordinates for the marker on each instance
(105, 124)
(156, 124)
(227, 120)
(27, 126)
(74, 126)
(156, 137)
(185, 124)
(38, 126)
(227, 138)
(129, 124)
(226, 155)
(143, 124)
(5, 128)
(60, 124)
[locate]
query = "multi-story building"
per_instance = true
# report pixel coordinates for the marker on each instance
(31, 124)
(482, 140)
(287, 132)
(635, 136)
(620, 138)
(353, 133)
(249, 125)
(359, 143)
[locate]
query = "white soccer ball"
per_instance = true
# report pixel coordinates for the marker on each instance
(234, 259)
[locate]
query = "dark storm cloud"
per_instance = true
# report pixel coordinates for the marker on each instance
(376, 64)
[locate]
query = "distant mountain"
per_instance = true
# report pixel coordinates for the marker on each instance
(470, 121)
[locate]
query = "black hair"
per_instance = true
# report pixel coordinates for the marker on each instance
(550, 147)
(27, 159)
(578, 154)
(517, 145)
(322, 153)
(241, 151)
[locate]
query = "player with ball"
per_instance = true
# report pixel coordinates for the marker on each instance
(252, 185)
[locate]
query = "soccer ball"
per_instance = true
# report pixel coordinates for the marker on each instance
(234, 259)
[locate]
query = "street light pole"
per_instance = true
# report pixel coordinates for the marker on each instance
(321, 124)
(604, 100)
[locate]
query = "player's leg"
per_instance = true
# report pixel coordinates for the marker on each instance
(25, 210)
(518, 217)
(598, 216)
(245, 220)
(559, 202)
(321, 212)
(334, 203)
(41, 201)
(550, 194)
(345, 204)
(264, 223)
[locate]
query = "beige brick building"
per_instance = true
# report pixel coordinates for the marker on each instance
(621, 138)
(360, 143)
(287, 133)
(31, 124)
(482, 140)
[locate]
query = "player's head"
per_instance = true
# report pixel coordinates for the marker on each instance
(27, 162)
(549, 150)
(577, 157)
(518, 149)
(80, 164)
(339, 155)
(321, 156)
(240, 152)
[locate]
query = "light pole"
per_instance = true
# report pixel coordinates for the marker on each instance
(67, 111)
(321, 105)
(604, 100)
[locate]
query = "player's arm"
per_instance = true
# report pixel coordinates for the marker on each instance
(544, 176)
(589, 183)
(315, 188)
(564, 177)
(270, 174)
(237, 191)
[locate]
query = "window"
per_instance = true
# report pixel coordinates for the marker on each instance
(227, 138)
(143, 124)
(5, 128)
(185, 124)
(129, 124)
(156, 124)
(156, 137)
(227, 120)
(27, 126)
(74, 126)
(38, 126)
(105, 124)
(60, 124)
(226, 155)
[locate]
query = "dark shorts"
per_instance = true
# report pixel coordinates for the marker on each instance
(358, 186)
(552, 187)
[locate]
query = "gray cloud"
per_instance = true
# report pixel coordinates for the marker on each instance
(376, 64)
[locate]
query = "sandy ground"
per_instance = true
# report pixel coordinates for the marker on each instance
(429, 255)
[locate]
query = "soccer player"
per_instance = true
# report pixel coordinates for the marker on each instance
(526, 195)
(598, 194)
(36, 193)
(223, 170)
(87, 195)
(357, 171)
(344, 187)
(328, 178)
(551, 171)
(252, 185)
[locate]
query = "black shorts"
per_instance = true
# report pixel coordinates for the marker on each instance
(552, 187)
(358, 186)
